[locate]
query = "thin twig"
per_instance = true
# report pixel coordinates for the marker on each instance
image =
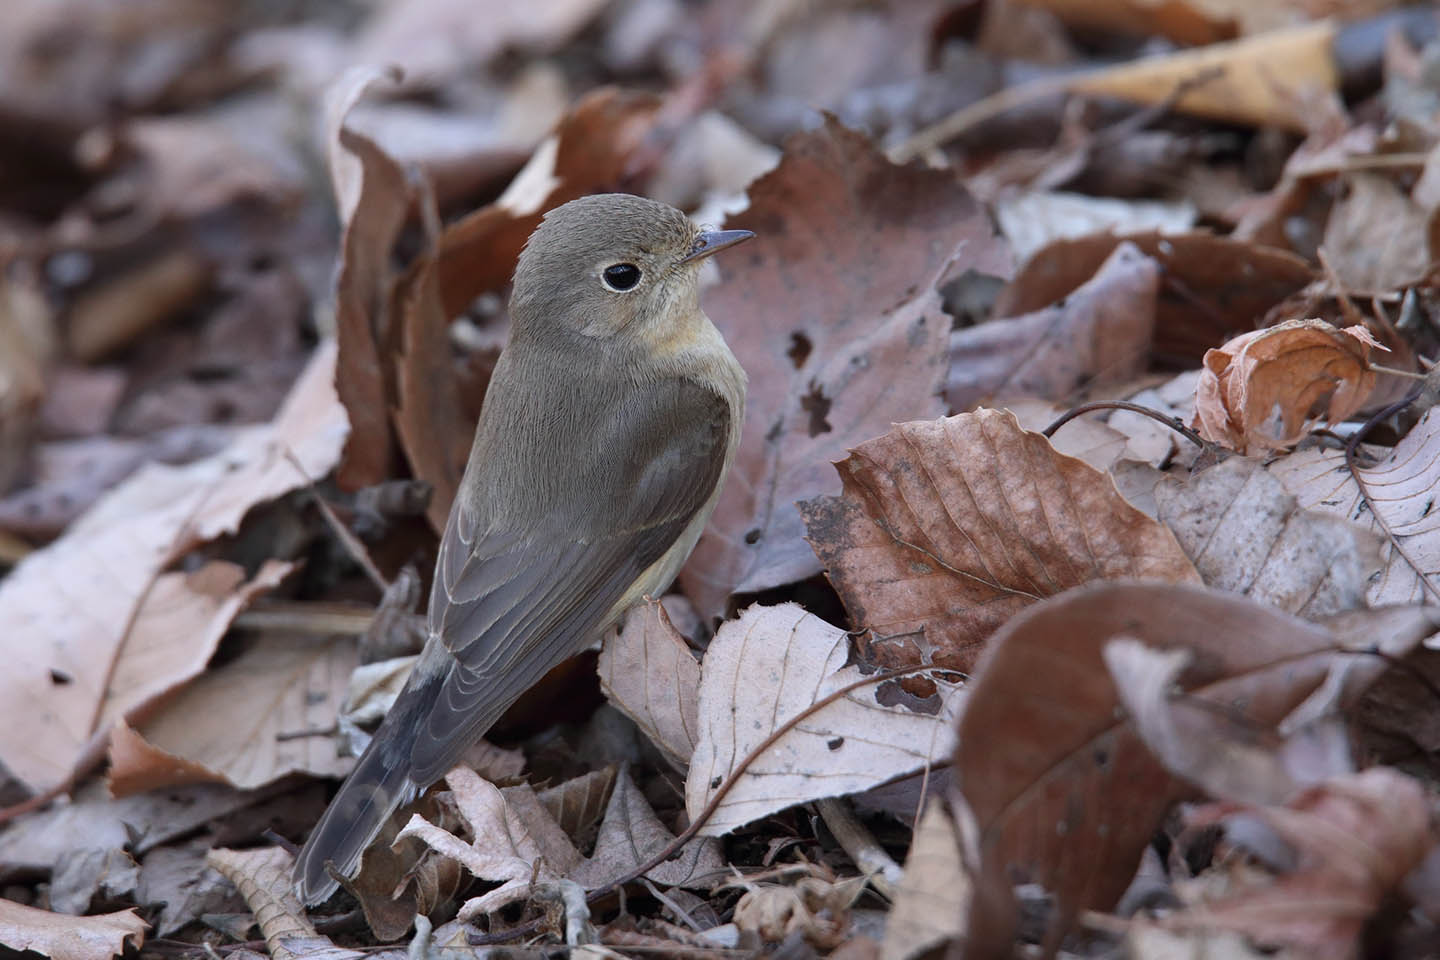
(1172, 422)
(861, 846)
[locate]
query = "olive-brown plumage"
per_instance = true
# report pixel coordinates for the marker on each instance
(607, 428)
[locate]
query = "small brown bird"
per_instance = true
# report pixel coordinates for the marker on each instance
(607, 428)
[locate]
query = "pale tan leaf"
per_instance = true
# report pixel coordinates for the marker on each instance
(263, 878)
(1376, 236)
(648, 671)
(1083, 438)
(814, 909)
(1402, 489)
(631, 834)
(138, 766)
(177, 629)
(60, 666)
(579, 803)
(63, 937)
(948, 527)
(935, 892)
(1246, 535)
(759, 674)
(1266, 389)
(261, 716)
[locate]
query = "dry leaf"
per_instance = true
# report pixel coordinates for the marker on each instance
(263, 878)
(833, 313)
(1353, 840)
(1085, 438)
(1036, 218)
(1268, 80)
(760, 672)
(929, 908)
(61, 667)
(63, 937)
(373, 197)
(1214, 286)
(648, 671)
(1402, 490)
(580, 802)
(517, 843)
(1265, 390)
(948, 527)
(255, 719)
(1098, 335)
(1062, 789)
(1376, 237)
(1246, 535)
(814, 909)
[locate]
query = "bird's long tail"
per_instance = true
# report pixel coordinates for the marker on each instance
(378, 786)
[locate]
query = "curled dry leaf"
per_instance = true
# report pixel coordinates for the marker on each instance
(1247, 535)
(1354, 839)
(1402, 493)
(1265, 390)
(947, 528)
(648, 671)
(833, 313)
(1099, 335)
(1062, 788)
(761, 672)
(815, 909)
(63, 937)
(59, 679)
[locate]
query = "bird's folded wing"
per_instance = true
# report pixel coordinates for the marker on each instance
(509, 603)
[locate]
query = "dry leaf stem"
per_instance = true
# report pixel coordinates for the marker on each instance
(1156, 415)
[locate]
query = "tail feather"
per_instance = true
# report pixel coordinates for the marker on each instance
(378, 786)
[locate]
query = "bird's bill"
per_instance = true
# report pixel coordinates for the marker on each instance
(713, 241)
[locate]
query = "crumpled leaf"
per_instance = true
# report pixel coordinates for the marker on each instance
(1402, 491)
(1098, 335)
(760, 672)
(1247, 535)
(812, 908)
(1266, 389)
(947, 528)
(517, 841)
(833, 313)
(58, 682)
(63, 937)
(648, 671)
(1353, 839)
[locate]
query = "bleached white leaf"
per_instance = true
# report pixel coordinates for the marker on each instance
(760, 673)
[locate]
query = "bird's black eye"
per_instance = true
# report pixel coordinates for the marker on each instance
(621, 276)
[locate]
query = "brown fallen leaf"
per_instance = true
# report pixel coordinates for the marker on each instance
(63, 937)
(814, 909)
(834, 315)
(1213, 287)
(1247, 535)
(1266, 389)
(929, 908)
(1098, 335)
(759, 674)
(61, 666)
(1063, 791)
(1402, 492)
(947, 528)
(648, 671)
(1353, 840)
(373, 196)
